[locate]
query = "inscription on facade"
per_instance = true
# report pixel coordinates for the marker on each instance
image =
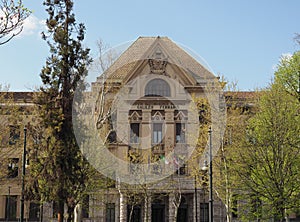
(144, 106)
(162, 106)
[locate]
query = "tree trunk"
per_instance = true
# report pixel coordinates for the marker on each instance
(146, 209)
(228, 206)
(175, 213)
(41, 212)
(77, 213)
(130, 214)
(176, 204)
(227, 190)
(122, 207)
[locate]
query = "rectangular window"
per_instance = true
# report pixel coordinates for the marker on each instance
(110, 212)
(11, 207)
(13, 168)
(134, 132)
(157, 134)
(34, 211)
(136, 214)
(204, 212)
(14, 134)
(85, 206)
(180, 133)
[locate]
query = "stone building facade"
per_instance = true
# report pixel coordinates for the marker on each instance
(150, 93)
(151, 135)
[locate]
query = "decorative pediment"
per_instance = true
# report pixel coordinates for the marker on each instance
(180, 116)
(157, 116)
(135, 116)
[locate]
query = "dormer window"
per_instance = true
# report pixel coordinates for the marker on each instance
(157, 87)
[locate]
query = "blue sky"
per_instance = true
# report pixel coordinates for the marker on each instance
(242, 40)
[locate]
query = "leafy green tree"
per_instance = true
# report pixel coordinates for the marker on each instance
(12, 15)
(226, 182)
(60, 169)
(288, 74)
(269, 161)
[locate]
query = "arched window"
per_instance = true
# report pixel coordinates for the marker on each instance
(157, 87)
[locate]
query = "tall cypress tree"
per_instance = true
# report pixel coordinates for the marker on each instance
(60, 168)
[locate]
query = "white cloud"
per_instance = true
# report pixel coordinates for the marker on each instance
(284, 56)
(32, 25)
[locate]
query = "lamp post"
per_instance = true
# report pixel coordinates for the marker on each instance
(196, 207)
(210, 173)
(23, 177)
(8, 204)
(211, 215)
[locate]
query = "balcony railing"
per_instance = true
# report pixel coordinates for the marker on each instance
(158, 148)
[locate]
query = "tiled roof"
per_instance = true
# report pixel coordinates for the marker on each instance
(241, 95)
(140, 50)
(26, 97)
(129, 58)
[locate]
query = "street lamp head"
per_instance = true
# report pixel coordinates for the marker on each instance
(204, 167)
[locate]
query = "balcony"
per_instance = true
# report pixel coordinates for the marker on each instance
(158, 148)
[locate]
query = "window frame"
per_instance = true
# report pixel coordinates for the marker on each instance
(14, 134)
(182, 129)
(134, 137)
(110, 212)
(157, 88)
(13, 168)
(204, 212)
(155, 137)
(11, 207)
(34, 211)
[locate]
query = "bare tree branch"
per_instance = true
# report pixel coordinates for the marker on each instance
(12, 16)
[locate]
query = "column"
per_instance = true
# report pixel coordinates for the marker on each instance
(169, 130)
(146, 134)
